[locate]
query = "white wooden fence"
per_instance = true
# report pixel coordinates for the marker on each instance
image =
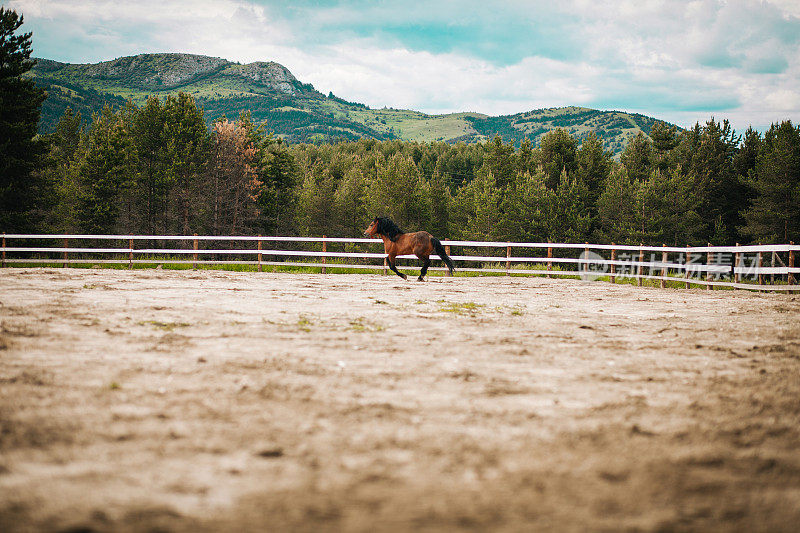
(759, 267)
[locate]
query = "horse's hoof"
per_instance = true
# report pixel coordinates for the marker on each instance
(405, 277)
(420, 278)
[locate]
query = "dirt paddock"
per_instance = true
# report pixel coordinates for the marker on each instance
(165, 400)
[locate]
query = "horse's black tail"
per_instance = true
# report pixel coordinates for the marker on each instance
(440, 251)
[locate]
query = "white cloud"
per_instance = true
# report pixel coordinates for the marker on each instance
(782, 100)
(138, 12)
(446, 82)
(788, 7)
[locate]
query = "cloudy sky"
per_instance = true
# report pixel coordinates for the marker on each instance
(680, 60)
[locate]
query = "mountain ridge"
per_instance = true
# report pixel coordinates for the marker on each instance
(296, 110)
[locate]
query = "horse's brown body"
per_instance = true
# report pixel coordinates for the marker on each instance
(417, 243)
(395, 242)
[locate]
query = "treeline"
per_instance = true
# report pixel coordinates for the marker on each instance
(158, 169)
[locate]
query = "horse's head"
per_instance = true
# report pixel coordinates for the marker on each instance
(373, 228)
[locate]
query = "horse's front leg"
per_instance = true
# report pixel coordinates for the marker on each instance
(390, 262)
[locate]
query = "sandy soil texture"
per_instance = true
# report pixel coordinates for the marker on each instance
(186, 401)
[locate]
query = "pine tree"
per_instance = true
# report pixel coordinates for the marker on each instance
(100, 173)
(526, 158)
(528, 209)
(616, 208)
(400, 192)
(571, 218)
(558, 154)
(688, 144)
(500, 160)
(594, 166)
(774, 215)
(316, 204)
(187, 147)
(65, 146)
(67, 136)
(744, 165)
(149, 165)
(722, 196)
(278, 174)
(20, 149)
(440, 199)
(667, 210)
(478, 208)
(744, 161)
(665, 139)
(350, 203)
(637, 157)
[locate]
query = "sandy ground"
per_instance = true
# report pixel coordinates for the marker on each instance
(161, 400)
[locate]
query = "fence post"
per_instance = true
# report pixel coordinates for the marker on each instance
(663, 267)
(586, 256)
(709, 260)
(613, 266)
(447, 251)
(130, 254)
(66, 245)
(194, 255)
(759, 262)
(324, 259)
(772, 264)
(4, 251)
(789, 277)
(259, 253)
(549, 256)
(737, 259)
(384, 266)
(508, 256)
(686, 262)
(640, 268)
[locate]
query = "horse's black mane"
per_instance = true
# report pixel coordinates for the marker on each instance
(389, 228)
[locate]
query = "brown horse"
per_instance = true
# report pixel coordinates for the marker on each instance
(397, 242)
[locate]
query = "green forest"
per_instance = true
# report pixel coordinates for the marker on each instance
(157, 168)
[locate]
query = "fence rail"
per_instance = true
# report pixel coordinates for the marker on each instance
(755, 267)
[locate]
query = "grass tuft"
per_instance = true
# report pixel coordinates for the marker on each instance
(360, 324)
(303, 323)
(165, 326)
(459, 308)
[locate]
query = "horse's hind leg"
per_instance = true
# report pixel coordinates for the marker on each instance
(424, 269)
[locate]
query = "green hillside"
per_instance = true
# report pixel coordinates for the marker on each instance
(296, 110)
